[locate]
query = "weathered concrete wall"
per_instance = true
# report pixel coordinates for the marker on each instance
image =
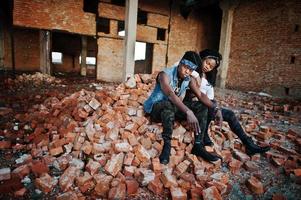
(263, 41)
(110, 59)
(159, 57)
(67, 15)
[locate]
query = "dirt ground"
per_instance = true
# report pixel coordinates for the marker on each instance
(21, 97)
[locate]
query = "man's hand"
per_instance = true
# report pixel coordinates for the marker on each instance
(219, 119)
(193, 121)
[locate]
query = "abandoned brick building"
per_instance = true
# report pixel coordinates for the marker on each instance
(260, 40)
(82, 132)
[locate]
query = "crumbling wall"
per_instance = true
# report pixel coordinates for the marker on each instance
(67, 15)
(157, 18)
(27, 50)
(186, 34)
(266, 47)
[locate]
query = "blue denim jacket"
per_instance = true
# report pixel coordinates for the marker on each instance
(158, 95)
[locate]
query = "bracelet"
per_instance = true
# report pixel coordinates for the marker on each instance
(215, 108)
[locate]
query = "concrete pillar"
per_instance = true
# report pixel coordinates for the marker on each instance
(228, 8)
(45, 46)
(130, 38)
(83, 54)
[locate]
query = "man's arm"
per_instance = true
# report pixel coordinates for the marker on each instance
(201, 96)
(168, 91)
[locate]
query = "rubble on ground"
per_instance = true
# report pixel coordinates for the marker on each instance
(35, 79)
(101, 144)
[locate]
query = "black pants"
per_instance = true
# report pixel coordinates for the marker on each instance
(166, 112)
(228, 116)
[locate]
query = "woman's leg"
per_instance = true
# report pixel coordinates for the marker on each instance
(207, 141)
(252, 148)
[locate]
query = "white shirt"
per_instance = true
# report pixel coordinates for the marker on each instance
(207, 88)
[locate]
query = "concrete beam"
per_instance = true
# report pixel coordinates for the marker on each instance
(45, 46)
(228, 8)
(131, 12)
(83, 65)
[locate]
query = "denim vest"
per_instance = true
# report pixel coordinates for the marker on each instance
(158, 95)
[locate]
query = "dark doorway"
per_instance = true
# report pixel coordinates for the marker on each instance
(211, 17)
(66, 54)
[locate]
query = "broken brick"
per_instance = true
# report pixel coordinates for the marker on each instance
(21, 171)
(250, 166)
(103, 185)
(168, 179)
(45, 183)
(142, 154)
(235, 166)
(5, 144)
(118, 192)
(67, 196)
(67, 178)
(56, 151)
(5, 174)
(85, 182)
(255, 185)
(20, 193)
(177, 193)
(155, 186)
(38, 168)
(211, 193)
(114, 165)
(93, 167)
(131, 186)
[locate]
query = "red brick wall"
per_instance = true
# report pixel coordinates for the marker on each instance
(184, 34)
(67, 15)
(196, 32)
(263, 41)
(7, 48)
(27, 50)
(69, 65)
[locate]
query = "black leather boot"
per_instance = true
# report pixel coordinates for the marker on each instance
(199, 150)
(207, 141)
(252, 148)
(164, 156)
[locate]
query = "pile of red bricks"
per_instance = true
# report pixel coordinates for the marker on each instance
(101, 144)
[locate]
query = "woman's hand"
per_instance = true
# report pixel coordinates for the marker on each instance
(219, 118)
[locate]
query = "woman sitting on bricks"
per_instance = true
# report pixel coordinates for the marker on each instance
(210, 62)
(166, 104)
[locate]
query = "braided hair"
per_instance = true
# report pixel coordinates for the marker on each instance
(209, 53)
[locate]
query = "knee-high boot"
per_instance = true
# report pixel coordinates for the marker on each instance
(251, 147)
(164, 156)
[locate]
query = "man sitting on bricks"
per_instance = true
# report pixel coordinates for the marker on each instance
(166, 104)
